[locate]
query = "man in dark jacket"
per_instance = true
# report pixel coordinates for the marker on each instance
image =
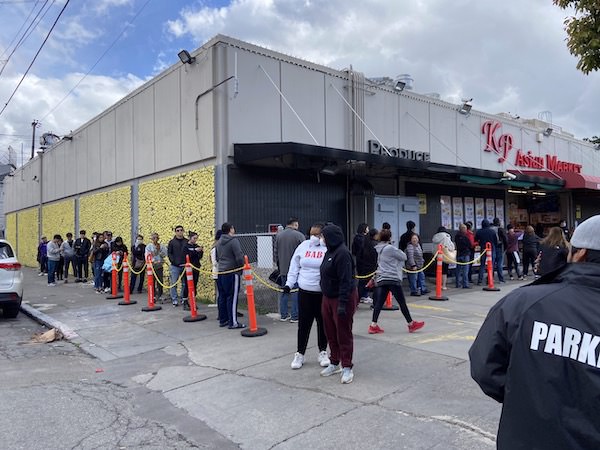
(176, 251)
(537, 354)
(406, 237)
(83, 246)
(463, 253)
(340, 297)
(500, 247)
(286, 242)
(484, 235)
(229, 258)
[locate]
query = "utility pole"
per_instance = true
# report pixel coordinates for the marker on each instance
(35, 124)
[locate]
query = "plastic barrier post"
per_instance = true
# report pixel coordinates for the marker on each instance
(151, 306)
(389, 305)
(127, 300)
(438, 277)
(193, 317)
(252, 330)
(490, 269)
(113, 283)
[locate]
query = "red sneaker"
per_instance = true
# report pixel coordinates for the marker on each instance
(375, 329)
(414, 326)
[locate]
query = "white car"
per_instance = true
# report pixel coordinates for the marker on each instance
(11, 281)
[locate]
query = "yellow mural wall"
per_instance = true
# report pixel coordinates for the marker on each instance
(59, 218)
(28, 239)
(109, 210)
(186, 199)
(11, 229)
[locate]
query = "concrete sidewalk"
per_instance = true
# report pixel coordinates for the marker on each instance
(410, 390)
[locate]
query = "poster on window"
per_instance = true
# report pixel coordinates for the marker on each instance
(446, 208)
(500, 211)
(469, 211)
(490, 209)
(479, 212)
(457, 212)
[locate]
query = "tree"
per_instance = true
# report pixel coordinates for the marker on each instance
(583, 32)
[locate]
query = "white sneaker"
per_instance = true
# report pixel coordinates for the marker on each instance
(368, 300)
(51, 284)
(41, 274)
(330, 370)
(298, 361)
(323, 359)
(347, 375)
(107, 290)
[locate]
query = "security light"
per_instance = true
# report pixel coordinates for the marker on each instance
(400, 85)
(185, 57)
(548, 131)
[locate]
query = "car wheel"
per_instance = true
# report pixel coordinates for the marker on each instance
(10, 312)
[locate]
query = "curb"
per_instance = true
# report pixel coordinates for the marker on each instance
(45, 319)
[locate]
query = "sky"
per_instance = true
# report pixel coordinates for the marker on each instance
(509, 56)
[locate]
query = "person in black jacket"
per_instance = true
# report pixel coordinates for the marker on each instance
(484, 235)
(120, 249)
(176, 254)
(463, 253)
(340, 297)
(554, 249)
(82, 248)
(537, 354)
(366, 264)
(195, 252)
(137, 262)
(500, 247)
(531, 244)
(406, 237)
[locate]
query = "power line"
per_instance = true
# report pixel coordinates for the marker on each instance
(19, 32)
(25, 35)
(35, 57)
(97, 61)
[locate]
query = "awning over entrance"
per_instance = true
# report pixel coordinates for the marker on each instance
(572, 180)
(332, 161)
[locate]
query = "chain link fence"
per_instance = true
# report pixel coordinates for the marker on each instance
(260, 250)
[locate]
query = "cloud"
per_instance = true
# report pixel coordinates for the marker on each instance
(38, 96)
(507, 56)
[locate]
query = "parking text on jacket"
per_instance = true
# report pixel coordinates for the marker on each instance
(566, 342)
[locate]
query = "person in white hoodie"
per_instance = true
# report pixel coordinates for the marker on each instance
(304, 269)
(442, 237)
(388, 278)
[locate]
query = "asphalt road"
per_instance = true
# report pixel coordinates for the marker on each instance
(54, 396)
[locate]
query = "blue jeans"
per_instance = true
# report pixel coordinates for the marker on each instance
(416, 281)
(499, 263)
(283, 301)
(98, 274)
(176, 271)
(462, 272)
(52, 265)
(483, 266)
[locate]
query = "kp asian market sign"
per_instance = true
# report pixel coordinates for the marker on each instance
(502, 144)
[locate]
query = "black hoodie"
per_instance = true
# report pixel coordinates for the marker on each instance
(337, 268)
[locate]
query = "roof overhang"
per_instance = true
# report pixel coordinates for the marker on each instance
(571, 180)
(334, 161)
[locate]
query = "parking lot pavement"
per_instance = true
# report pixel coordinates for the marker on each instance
(411, 390)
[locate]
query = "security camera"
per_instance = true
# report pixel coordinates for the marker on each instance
(509, 176)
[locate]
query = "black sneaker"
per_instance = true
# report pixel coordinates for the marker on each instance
(224, 324)
(239, 314)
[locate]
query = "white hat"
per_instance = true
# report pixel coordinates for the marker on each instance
(587, 235)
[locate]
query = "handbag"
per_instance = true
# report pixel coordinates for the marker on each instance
(275, 277)
(449, 256)
(371, 284)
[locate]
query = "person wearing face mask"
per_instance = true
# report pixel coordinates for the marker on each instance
(304, 270)
(158, 253)
(137, 263)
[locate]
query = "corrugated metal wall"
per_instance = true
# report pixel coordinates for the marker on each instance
(259, 197)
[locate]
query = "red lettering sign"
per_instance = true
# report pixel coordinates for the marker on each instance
(502, 144)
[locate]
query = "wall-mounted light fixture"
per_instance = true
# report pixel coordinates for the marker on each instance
(185, 57)
(465, 109)
(330, 169)
(399, 85)
(508, 176)
(35, 178)
(548, 131)
(67, 138)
